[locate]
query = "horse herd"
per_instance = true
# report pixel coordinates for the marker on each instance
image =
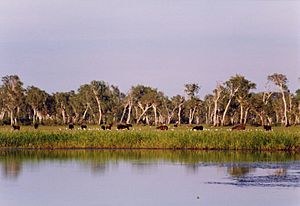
(71, 126)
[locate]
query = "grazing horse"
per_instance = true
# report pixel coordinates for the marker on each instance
(267, 127)
(239, 127)
(108, 127)
(36, 125)
(196, 128)
(83, 127)
(71, 126)
(16, 127)
(162, 127)
(124, 126)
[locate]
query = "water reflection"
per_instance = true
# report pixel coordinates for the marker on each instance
(11, 168)
(241, 167)
(239, 171)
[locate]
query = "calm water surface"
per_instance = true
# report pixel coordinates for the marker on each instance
(141, 177)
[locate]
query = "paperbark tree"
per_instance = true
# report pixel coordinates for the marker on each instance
(280, 81)
(14, 96)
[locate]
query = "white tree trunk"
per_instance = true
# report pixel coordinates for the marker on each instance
(155, 113)
(123, 113)
(215, 117)
(179, 114)
(242, 114)
(246, 115)
(11, 118)
(129, 113)
(85, 111)
(144, 110)
(285, 108)
(225, 112)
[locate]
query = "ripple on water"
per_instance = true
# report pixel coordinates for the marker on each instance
(283, 175)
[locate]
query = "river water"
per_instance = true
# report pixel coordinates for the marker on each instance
(144, 177)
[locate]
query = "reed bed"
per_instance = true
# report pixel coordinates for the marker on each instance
(280, 139)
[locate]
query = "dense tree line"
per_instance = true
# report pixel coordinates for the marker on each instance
(98, 102)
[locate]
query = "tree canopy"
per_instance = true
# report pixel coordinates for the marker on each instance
(98, 102)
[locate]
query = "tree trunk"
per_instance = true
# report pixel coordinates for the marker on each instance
(63, 113)
(34, 115)
(262, 120)
(277, 116)
(123, 113)
(191, 115)
(179, 114)
(2, 114)
(215, 116)
(99, 109)
(144, 110)
(155, 114)
(225, 112)
(39, 116)
(85, 111)
(129, 113)
(242, 114)
(286, 123)
(11, 118)
(246, 115)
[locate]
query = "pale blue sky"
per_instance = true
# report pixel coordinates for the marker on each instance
(58, 45)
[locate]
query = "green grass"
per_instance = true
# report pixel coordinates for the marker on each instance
(287, 139)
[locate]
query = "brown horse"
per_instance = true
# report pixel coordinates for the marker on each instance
(16, 127)
(239, 127)
(162, 127)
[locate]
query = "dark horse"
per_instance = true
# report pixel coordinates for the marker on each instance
(162, 127)
(71, 126)
(197, 128)
(36, 125)
(268, 127)
(16, 127)
(106, 127)
(124, 126)
(83, 127)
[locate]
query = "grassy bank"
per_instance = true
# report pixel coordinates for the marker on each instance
(54, 138)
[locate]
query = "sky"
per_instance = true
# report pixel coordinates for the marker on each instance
(59, 45)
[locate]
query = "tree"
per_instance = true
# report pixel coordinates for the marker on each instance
(191, 90)
(209, 102)
(217, 94)
(231, 88)
(36, 98)
(13, 95)
(243, 96)
(143, 100)
(193, 102)
(62, 103)
(178, 102)
(100, 90)
(280, 81)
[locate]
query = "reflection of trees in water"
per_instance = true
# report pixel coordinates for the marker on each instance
(192, 168)
(144, 167)
(239, 171)
(280, 172)
(101, 161)
(11, 168)
(99, 167)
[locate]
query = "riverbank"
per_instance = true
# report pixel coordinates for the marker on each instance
(279, 140)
